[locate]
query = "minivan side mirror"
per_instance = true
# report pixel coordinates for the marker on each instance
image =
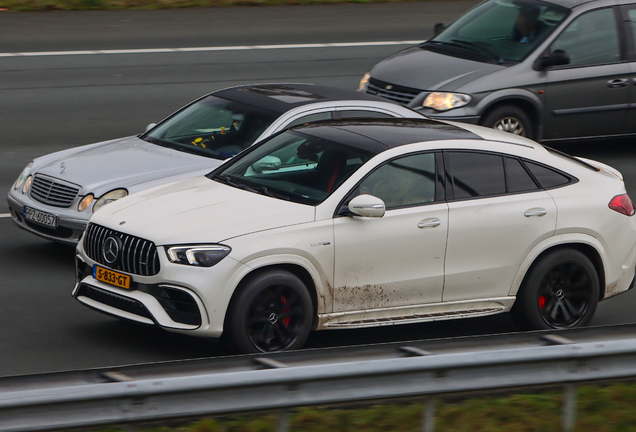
(555, 58)
(367, 206)
(438, 28)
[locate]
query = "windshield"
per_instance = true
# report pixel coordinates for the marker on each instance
(212, 127)
(499, 31)
(295, 167)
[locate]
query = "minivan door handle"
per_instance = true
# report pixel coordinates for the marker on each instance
(617, 83)
(429, 223)
(537, 211)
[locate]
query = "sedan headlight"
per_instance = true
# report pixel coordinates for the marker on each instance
(446, 101)
(85, 202)
(109, 197)
(23, 175)
(200, 255)
(363, 82)
(27, 184)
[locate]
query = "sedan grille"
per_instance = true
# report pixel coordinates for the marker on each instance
(399, 94)
(133, 254)
(49, 190)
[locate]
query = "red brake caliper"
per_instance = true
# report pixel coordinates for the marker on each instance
(286, 310)
(542, 300)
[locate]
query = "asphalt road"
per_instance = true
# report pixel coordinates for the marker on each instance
(52, 102)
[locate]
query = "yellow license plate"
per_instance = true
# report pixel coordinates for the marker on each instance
(111, 277)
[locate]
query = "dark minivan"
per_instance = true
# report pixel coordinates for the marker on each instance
(545, 70)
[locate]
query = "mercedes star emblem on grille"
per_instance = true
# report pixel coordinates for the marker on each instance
(110, 249)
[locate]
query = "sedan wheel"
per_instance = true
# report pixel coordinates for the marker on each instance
(273, 312)
(560, 291)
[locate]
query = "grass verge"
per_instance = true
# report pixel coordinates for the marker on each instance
(609, 408)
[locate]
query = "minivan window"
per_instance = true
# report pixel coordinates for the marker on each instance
(499, 31)
(476, 174)
(590, 39)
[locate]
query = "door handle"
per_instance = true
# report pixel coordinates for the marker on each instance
(537, 211)
(429, 223)
(617, 83)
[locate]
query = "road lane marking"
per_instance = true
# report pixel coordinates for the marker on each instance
(203, 49)
(5, 215)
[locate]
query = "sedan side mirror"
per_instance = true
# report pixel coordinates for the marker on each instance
(438, 28)
(367, 206)
(555, 58)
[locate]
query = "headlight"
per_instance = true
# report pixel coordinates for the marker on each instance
(446, 101)
(109, 197)
(363, 82)
(202, 255)
(23, 176)
(27, 184)
(85, 202)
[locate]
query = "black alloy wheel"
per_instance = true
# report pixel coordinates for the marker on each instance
(273, 312)
(561, 290)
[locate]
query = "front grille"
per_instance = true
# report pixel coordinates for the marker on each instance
(399, 94)
(125, 304)
(51, 191)
(134, 255)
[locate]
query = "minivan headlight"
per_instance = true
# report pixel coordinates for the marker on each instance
(197, 255)
(109, 197)
(23, 175)
(446, 101)
(364, 82)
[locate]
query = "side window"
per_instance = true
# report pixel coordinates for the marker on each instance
(591, 39)
(547, 177)
(517, 178)
(360, 114)
(403, 182)
(310, 118)
(476, 174)
(631, 19)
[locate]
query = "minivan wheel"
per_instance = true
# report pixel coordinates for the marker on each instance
(560, 291)
(509, 118)
(272, 312)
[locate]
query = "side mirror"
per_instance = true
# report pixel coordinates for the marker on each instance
(555, 58)
(367, 206)
(268, 163)
(150, 126)
(438, 28)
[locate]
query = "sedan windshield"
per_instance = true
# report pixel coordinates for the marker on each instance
(294, 167)
(212, 127)
(499, 31)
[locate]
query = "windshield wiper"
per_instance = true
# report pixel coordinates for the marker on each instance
(228, 181)
(481, 48)
(264, 191)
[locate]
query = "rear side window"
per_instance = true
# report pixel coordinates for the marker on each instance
(546, 177)
(517, 178)
(476, 174)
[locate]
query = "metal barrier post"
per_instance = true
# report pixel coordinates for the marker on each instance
(429, 416)
(283, 421)
(569, 408)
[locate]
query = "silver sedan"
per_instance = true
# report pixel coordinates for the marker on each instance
(56, 194)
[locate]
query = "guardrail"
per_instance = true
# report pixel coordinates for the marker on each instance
(280, 387)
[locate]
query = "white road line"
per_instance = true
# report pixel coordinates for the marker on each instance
(5, 215)
(201, 49)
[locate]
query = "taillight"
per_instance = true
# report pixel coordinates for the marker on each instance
(622, 204)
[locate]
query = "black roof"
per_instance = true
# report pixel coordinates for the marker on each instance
(280, 98)
(377, 136)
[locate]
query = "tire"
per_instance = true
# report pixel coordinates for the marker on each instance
(561, 290)
(509, 118)
(272, 312)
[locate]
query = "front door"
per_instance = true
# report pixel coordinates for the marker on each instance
(398, 259)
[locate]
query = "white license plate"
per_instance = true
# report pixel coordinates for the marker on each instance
(39, 217)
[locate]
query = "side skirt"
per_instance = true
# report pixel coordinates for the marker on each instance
(415, 314)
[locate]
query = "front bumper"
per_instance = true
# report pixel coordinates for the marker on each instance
(71, 223)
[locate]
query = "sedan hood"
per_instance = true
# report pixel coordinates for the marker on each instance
(199, 210)
(122, 163)
(427, 70)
